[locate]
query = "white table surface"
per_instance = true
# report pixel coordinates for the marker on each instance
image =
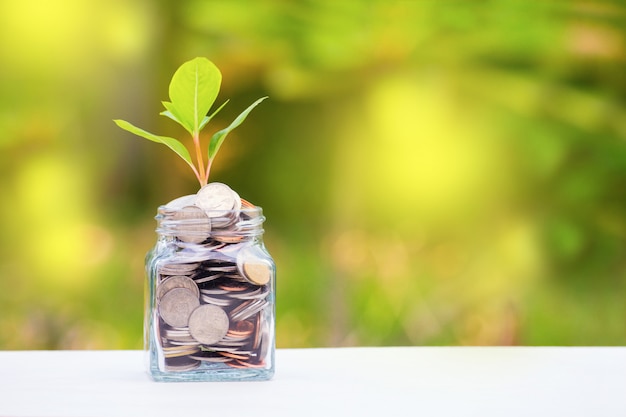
(403, 381)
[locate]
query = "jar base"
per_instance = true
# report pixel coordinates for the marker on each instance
(212, 372)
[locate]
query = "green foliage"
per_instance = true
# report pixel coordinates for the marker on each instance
(218, 137)
(193, 90)
(171, 143)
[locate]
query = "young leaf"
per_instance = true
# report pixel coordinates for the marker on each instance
(193, 90)
(171, 143)
(169, 113)
(218, 137)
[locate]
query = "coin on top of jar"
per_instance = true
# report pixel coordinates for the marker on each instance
(192, 224)
(217, 199)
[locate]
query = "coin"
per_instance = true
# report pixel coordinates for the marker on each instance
(254, 265)
(192, 224)
(176, 281)
(181, 363)
(206, 278)
(208, 324)
(217, 199)
(178, 351)
(215, 301)
(234, 356)
(180, 202)
(257, 272)
(179, 336)
(178, 269)
(229, 237)
(246, 204)
(177, 305)
(216, 277)
(248, 309)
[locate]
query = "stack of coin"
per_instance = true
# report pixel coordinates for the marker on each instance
(213, 295)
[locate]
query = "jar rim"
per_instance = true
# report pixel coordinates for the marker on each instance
(198, 224)
(249, 210)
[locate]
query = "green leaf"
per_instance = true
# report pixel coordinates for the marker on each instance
(170, 113)
(193, 90)
(171, 143)
(207, 119)
(218, 137)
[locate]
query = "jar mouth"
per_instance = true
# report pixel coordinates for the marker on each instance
(193, 225)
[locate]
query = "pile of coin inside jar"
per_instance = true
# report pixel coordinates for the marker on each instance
(212, 297)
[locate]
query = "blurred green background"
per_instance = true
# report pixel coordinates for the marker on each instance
(433, 172)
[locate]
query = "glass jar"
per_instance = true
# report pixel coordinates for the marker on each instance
(210, 296)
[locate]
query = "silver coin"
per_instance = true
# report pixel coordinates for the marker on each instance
(192, 225)
(176, 281)
(177, 337)
(175, 332)
(180, 343)
(208, 324)
(207, 278)
(220, 302)
(233, 343)
(176, 306)
(214, 291)
(251, 295)
(226, 223)
(180, 202)
(223, 268)
(177, 269)
(241, 307)
(217, 199)
(251, 310)
(171, 352)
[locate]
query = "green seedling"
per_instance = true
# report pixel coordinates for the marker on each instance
(192, 91)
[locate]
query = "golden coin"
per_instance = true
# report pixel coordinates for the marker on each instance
(254, 265)
(257, 272)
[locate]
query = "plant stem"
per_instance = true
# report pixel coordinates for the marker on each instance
(201, 174)
(195, 171)
(208, 170)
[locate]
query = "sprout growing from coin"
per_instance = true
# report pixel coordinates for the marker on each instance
(192, 91)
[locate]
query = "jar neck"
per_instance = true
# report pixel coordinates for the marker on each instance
(194, 226)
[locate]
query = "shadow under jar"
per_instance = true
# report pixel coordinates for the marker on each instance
(210, 296)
